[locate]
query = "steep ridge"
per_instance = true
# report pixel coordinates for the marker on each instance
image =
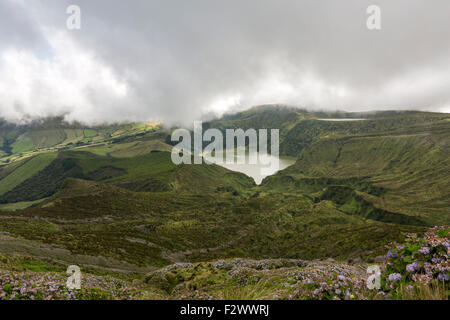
(412, 169)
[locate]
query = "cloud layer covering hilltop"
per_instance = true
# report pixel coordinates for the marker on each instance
(178, 60)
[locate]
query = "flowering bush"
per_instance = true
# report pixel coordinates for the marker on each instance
(335, 282)
(49, 286)
(419, 260)
(417, 269)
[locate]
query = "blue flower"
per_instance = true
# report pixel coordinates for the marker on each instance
(443, 277)
(436, 260)
(391, 254)
(394, 277)
(411, 267)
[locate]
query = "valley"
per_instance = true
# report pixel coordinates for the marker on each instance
(110, 200)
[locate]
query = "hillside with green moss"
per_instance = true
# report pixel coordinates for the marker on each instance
(110, 199)
(18, 141)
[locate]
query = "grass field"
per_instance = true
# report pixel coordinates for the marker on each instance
(22, 144)
(19, 205)
(129, 149)
(25, 171)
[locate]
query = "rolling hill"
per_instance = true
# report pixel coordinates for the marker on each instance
(112, 193)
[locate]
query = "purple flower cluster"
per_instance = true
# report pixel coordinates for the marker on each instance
(443, 277)
(394, 277)
(391, 254)
(412, 267)
(428, 259)
(50, 285)
(334, 281)
(424, 250)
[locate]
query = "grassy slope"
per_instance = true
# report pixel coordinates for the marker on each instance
(25, 171)
(336, 200)
(153, 171)
(18, 141)
(19, 205)
(155, 229)
(411, 169)
(129, 149)
(22, 144)
(306, 132)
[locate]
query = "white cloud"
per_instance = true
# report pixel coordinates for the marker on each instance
(176, 61)
(61, 83)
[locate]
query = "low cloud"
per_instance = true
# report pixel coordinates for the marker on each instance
(176, 61)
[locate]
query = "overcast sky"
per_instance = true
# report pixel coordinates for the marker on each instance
(177, 60)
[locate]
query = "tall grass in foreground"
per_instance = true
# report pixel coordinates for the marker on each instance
(258, 291)
(434, 290)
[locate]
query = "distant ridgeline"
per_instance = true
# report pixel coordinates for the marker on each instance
(298, 128)
(55, 133)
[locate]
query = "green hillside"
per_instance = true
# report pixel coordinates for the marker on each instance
(111, 200)
(409, 172)
(153, 171)
(25, 170)
(21, 141)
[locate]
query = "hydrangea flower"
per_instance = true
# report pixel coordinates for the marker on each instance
(394, 277)
(443, 277)
(391, 254)
(436, 260)
(424, 250)
(412, 267)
